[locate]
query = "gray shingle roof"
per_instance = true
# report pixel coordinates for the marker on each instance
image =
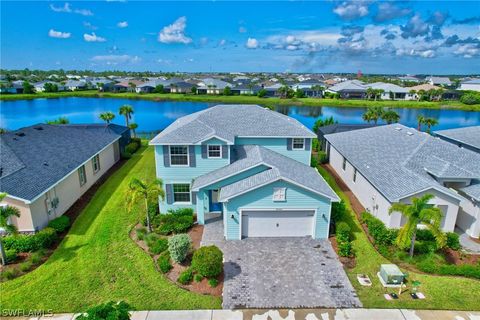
(230, 121)
(280, 167)
(473, 190)
(468, 136)
(33, 162)
(397, 159)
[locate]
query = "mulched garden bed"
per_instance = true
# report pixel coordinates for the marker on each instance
(348, 262)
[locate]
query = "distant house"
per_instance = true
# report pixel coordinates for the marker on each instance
(40, 86)
(439, 81)
(473, 85)
(45, 169)
(149, 86)
(13, 87)
(126, 86)
(181, 87)
(310, 88)
(272, 90)
(392, 91)
(350, 89)
(247, 90)
(74, 85)
(408, 78)
(212, 86)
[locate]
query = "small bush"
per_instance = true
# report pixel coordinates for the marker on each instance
(424, 235)
(36, 257)
(141, 233)
(10, 273)
(208, 261)
(126, 155)
(60, 224)
(424, 247)
(110, 311)
(213, 282)
(163, 262)
(198, 277)
(345, 249)
(138, 141)
(343, 231)
(322, 157)
(11, 255)
(178, 246)
(178, 221)
(465, 270)
(313, 161)
(158, 246)
(32, 242)
(453, 241)
(26, 266)
(45, 238)
(132, 147)
(470, 98)
(186, 276)
(376, 228)
(339, 210)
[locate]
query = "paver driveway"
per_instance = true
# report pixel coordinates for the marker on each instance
(281, 272)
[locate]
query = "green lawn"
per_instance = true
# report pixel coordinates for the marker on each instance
(98, 262)
(249, 100)
(442, 292)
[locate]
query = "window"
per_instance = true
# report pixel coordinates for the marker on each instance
(344, 164)
(96, 163)
(179, 155)
(82, 175)
(298, 144)
(354, 175)
(214, 151)
(279, 194)
(181, 192)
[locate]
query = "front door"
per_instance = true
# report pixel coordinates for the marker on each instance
(215, 206)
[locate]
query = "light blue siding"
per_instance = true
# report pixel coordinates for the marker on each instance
(261, 198)
(278, 145)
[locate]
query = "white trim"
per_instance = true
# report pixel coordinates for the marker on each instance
(68, 174)
(304, 137)
(214, 136)
(457, 197)
(241, 209)
(179, 165)
(173, 194)
(199, 142)
(220, 150)
(293, 144)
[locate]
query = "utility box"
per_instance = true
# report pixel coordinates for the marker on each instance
(391, 274)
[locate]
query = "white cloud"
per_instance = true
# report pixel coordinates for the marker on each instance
(242, 29)
(122, 24)
(93, 38)
(175, 33)
(84, 12)
(222, 42)
(59, 34)
(90, 26)
(351, 10)
(252, 43)
(67, 9)
(115, 59)
(428, 53)
(468, 51)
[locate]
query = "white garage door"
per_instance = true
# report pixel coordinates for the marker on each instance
(277, 223)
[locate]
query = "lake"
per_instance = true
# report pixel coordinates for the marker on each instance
(154, 116)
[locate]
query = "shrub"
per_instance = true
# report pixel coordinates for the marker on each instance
(11, 255)
(126, 155)
(376, 228)
(131, 148)
(10, 273)
(213, 282)
(138, 141)
(424, 247)
(178, 221)
(141, 233)
(470, 98)
(36, 257)
(198, 277)
(186, 276)
(208, 261)
(343, 231)
(45, 238)
(163, 262)
(182, 212)
(26, 266)
(465, 270)
(109, 310)
(178, 246)
(60, 224)
(158, 246)
(453, 241)
(322, 157)
(32, 242)
(339, 210)
(424, 235)
(314, 161)
(345, 249)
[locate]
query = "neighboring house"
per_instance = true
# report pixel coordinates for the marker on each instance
(468, 137)
(45, 169)
(127, 86)
(74, 85)
(11, 87)
(351, 89)
(40, 86)
(251, 165)
(409, 79)
(149, 87)
(439, 81)
(181, 87)
(246, 90)
(310, 88)
(212, 86)
(394, 163)
(473, 85)
(392, 91)
(337, 128)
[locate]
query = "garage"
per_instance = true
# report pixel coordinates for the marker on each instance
(277, 223)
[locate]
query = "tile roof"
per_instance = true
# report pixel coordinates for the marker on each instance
(387, 87)
(468, 136)
(280, 167)
(400, 161)
(350, 85)
(33, 159)
(228, 122)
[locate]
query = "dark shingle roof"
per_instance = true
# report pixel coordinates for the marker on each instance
(35, 158)
(469, 136)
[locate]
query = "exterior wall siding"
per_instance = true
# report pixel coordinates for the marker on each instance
(261, 198)
(469, 218)
(279, 145)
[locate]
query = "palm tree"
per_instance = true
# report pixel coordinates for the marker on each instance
(390, 116)
(412, 92)
(419, 212)
(421, 93)
(6, 212)
(107, 116)
(60, 120)
(430, 122)
(420, 121)
(323, 122)
(370, 93)
(132, 126)
(127, 111)
(373, 114)
(138, 189)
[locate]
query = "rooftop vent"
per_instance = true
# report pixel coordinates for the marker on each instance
(45, 164)
(398, 128)
(20, 134)
(38, 128)
(410, 133)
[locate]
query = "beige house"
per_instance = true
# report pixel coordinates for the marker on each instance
(45, 169)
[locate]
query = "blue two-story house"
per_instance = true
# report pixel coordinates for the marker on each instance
(248, 163)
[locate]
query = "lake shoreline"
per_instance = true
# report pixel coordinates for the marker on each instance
(310, 102)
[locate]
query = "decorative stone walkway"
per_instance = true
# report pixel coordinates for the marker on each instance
(280, 272)
(468, 244)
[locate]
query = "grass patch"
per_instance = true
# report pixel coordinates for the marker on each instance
(97, 261)
(442, 292)
(248, 100)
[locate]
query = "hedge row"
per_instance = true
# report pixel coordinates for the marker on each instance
(343, 239)
(32, 242)
(376, 228)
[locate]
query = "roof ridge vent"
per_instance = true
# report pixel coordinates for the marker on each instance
(20, 134)
(409, 133)
(398, 128)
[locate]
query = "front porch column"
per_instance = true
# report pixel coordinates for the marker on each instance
(201, 207)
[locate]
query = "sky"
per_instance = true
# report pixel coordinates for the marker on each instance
(397, 37)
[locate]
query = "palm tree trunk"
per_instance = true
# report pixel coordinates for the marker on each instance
(412, 245)
(2, 253)
(149, 227)
(126, 119)
(419, 126)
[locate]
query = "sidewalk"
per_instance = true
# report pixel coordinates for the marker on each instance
(297, 314)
